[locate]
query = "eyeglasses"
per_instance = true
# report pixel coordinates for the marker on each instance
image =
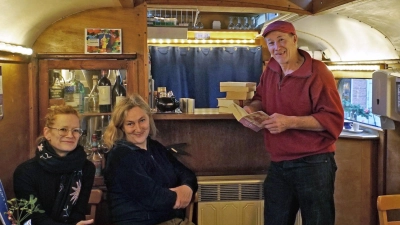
(77, 132)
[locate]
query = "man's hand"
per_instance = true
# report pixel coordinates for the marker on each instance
(277, 123)
(183, 196)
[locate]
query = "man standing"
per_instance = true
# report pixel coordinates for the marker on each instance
(306, 117)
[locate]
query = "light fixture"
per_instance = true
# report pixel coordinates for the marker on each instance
(360, 67)
(203, 41)
(15, 49)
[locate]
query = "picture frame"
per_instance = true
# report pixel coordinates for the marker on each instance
(103, 41)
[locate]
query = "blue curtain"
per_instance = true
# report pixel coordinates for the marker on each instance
(195, 72)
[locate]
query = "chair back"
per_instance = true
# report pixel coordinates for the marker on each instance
(94, 200)
(385, 203)
(190, 207)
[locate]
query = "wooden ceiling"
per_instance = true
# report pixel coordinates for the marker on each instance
(301, 7)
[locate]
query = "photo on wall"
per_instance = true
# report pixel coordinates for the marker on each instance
(103, 41)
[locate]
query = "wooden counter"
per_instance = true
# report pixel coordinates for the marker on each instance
(218, 145)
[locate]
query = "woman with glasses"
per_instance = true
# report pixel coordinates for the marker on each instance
(59, 175)
(146, 185)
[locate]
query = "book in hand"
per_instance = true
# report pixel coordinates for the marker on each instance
(252, 120)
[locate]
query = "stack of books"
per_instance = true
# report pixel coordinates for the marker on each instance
(239, 93)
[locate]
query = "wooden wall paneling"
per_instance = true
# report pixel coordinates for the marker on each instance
(393, 166)
(33, 106)
(14, 127)
(44, 84)
(67, 35)
(356, 181)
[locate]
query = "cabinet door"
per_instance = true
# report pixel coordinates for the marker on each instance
(47, 65)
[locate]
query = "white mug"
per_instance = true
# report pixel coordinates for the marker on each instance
(356, 126)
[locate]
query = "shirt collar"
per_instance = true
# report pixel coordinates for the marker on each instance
(305, 70)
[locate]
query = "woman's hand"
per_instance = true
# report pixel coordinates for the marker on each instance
(83, 222)
(183, 196)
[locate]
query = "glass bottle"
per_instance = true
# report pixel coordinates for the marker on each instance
(104, 88)
(74, 93)
(95, 156)
(94, 96)
(118, 91)
(57, 89)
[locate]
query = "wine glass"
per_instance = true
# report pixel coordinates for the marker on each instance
(238, 25)
(199, 24)
(246, 25)
(253, 23)
(231, 25)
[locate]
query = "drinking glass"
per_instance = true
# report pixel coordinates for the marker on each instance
(246, 25)
(231, 25)
(199, 24)
(253, 23)
(238, 25)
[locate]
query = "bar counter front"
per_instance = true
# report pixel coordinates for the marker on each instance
(215, 144)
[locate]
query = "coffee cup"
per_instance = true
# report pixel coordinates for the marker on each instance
(356, 126)
(348, 125)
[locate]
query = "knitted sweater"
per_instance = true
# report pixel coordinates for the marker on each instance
(310, 90)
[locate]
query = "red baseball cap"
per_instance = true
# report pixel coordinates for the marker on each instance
(281, 26)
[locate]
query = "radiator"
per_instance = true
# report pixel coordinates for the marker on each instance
(232, 200)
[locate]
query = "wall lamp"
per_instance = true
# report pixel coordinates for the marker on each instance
(203, 41)
(360, 67)
(15, 49)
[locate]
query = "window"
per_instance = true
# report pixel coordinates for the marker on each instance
(356, 96)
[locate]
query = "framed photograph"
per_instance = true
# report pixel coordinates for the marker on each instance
(103, 41)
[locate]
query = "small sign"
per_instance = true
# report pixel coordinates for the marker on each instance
(202, 35)
(103, 41)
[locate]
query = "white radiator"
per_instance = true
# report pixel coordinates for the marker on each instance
(232, 200)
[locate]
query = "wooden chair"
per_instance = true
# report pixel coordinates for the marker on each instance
(190, 207)
(385, 203)
(94, 200)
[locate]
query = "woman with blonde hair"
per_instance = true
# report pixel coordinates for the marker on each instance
(59, 175)
(146, 185)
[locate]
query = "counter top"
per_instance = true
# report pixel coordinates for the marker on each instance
(212, 114)
(366, 134)
(199, 114)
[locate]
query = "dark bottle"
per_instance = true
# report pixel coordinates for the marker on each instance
(118, 91)
(104, 88)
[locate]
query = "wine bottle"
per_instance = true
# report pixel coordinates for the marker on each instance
(94, 96)
(104, 93)
(57, 89)
(118, 91)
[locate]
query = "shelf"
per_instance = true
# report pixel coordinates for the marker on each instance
(199, 114)
(86, 56)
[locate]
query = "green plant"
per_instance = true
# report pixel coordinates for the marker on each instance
(355, 110)
(20, 209)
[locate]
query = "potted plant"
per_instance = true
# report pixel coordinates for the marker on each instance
(20, 209)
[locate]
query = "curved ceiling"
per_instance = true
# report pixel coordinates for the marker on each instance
(355, 31)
